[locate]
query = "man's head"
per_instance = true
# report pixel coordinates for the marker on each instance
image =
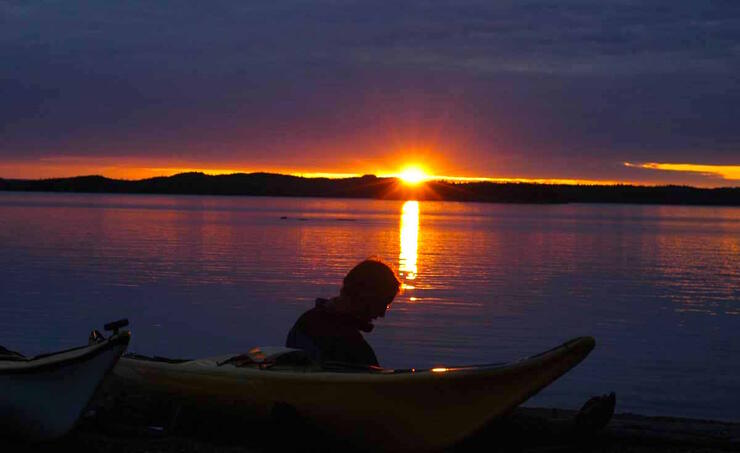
(370, 288)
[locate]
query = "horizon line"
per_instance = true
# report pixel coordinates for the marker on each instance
(427, 178)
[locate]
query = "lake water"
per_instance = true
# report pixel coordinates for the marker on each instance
(658, 286)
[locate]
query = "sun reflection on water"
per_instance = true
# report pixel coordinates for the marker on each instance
(409, 243)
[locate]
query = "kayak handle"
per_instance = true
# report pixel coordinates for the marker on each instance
(115, 325)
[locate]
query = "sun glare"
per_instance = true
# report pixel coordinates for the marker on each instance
(412, 175)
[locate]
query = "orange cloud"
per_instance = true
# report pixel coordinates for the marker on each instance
(728, 172)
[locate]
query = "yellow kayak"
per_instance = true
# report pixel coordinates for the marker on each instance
(387, 409)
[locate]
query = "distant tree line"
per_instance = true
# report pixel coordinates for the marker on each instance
(369, 186)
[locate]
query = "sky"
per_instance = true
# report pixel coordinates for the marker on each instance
(642, 92)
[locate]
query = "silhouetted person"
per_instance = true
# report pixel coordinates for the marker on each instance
(330, 332)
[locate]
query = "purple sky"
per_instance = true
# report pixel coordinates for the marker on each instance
(531, 89)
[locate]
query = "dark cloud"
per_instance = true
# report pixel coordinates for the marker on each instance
(527, 86)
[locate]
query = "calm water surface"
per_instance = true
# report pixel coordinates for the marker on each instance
(658, 286)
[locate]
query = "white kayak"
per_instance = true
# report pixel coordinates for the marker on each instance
(42, 397)
(374, 408)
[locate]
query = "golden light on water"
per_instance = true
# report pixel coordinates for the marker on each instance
(439, 370)
(409, 242)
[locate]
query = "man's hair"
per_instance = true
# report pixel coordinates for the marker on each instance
(371, 275)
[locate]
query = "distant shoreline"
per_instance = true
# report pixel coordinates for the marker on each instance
(372, 187)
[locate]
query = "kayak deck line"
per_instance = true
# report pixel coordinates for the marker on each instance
(348, 368)
(49, 361)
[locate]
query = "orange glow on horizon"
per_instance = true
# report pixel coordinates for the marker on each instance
(63, 167)
(439, 370)
(54, 169)
(45, 171)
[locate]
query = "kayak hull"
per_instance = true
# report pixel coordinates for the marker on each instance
(408, 410)
(42, 398)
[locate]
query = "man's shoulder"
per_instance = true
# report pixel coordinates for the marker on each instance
(319, 321)
(332, 336)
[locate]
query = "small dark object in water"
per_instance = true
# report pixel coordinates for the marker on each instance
(115, 325)
(345, 219)
(283, 217)
(596, 413)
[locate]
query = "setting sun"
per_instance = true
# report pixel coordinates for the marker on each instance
(412, 175)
